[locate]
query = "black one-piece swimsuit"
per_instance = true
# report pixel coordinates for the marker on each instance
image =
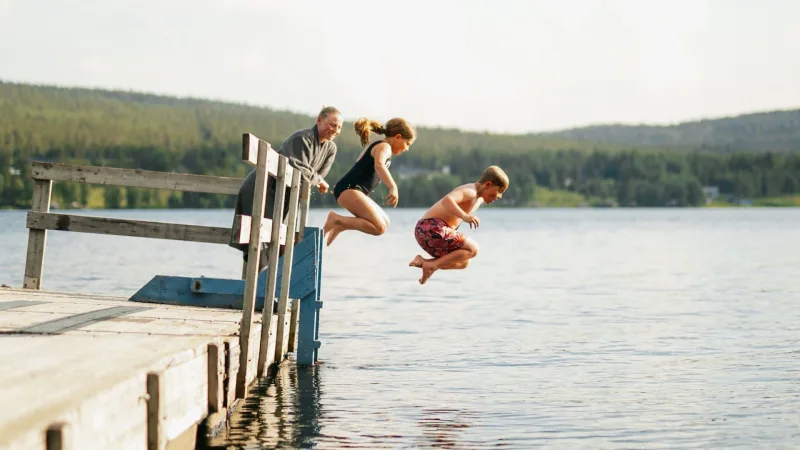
(362, 176)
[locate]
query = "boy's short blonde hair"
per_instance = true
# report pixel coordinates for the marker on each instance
(496, 175)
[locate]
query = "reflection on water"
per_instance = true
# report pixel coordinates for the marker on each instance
(282, 411)
(441, 428)
(285, 410)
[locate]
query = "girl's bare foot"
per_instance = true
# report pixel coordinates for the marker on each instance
(330, 230)
(417, 262)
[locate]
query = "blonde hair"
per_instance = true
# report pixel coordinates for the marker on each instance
(393, 127)
(496, 175)
(326, 111)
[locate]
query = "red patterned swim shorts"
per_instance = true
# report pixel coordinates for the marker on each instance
(437, 238)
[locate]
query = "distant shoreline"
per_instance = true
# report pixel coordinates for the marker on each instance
(760, 205)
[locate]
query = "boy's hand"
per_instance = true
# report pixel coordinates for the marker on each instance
(391, 199)
(323, 187)
(472, 221)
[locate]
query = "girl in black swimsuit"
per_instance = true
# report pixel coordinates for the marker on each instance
(371, 167)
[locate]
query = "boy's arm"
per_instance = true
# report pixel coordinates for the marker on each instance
(451, 201)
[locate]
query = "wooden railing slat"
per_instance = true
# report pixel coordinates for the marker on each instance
(135, 178)
(127, 227)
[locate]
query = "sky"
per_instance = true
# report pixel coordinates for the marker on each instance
(508, 66)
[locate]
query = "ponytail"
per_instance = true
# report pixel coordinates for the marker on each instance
(366, 126)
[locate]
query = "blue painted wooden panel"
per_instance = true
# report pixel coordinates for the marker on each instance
(227, 293)
(306, 283)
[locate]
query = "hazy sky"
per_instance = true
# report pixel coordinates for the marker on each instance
(499, 65)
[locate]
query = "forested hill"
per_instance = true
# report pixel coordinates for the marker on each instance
(44, 117)
(765, 131)
(143, 131)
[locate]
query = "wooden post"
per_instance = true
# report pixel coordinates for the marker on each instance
(305, 200)
(216, 376)
(34, 261)
(57, 437)
(281, 341)
(272, 269)
(253, 254)
(156, 435)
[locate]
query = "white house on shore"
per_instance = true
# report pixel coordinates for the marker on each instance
(711, 193)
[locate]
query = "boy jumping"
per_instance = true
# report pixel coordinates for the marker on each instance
(436, 231)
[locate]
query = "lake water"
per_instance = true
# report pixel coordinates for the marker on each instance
(573, 328)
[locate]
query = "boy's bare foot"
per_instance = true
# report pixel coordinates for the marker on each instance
(417, 262)
(330, 230)
(427, 271)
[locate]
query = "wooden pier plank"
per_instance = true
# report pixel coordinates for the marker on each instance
(127, 227)
(82, 380)
(135, 178)
(68, 314)
(89, 373)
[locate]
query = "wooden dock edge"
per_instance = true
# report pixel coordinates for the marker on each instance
(166, 405)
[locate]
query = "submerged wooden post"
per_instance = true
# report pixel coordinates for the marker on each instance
(34, 262)
(281, 332)
(304, 203)
(272, 270)
(258, 150)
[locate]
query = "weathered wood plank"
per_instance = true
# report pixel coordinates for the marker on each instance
(305, 201)
(14, 320)
(126, 227)
(165, 327)
(156, 435)
(101, 386)
(272, 270)
(37, 239)
(57, 437)
(251, 361)
(252, 145)
(185, 395)
(62, 324)
(15, 294)
(293, 326)
(135, 178)
(11, 304)
(253, 260)
(216, 376)
(282, 331)
(241, 230)
(102, 377)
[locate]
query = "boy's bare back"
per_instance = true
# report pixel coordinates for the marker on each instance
(465, 196)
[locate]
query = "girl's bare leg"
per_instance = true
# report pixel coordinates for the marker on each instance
(369, 217)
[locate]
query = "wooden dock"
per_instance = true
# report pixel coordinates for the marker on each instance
(91, 372)
(104, 372)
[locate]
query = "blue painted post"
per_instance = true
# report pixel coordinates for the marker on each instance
(308, 327)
